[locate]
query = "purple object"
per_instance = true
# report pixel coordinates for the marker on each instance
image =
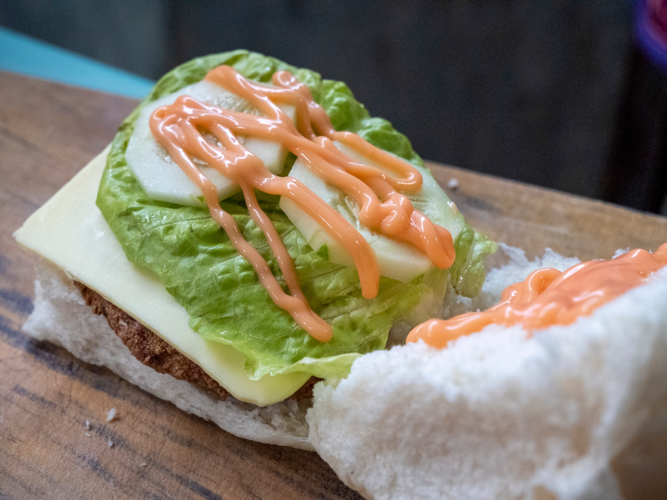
(651, 29)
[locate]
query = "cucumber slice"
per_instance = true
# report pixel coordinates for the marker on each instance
(163, 179)
(397, 260)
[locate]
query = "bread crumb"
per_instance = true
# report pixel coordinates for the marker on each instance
(111, 415)
(87, 426)
(143, 464)
(87, 434)
(110, 443)
(453, 183)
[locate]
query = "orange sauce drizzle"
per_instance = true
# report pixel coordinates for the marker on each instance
(377, 191)
(550, 297)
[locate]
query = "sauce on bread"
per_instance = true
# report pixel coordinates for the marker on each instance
(550, 297)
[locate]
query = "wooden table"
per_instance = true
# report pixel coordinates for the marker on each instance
(49, 131)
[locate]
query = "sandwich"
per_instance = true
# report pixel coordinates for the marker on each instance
(163, 263)
(250, 231)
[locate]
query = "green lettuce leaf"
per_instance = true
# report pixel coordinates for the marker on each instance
(468, 272)
(199, 266)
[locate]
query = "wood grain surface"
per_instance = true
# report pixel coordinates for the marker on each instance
(48, 132)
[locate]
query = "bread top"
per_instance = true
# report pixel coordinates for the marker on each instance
(499, 414)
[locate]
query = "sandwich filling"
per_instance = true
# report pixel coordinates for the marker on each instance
(257, 229)
(550, 297)
(376, 191)
(271, 284)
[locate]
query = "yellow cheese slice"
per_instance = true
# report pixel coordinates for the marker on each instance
(70, 231)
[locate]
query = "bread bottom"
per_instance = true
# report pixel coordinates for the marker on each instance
(61, 316)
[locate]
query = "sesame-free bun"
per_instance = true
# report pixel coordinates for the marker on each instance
(575, 411)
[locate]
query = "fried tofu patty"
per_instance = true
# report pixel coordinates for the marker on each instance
(157, 354)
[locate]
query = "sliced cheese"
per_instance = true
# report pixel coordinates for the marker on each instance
(70, 231)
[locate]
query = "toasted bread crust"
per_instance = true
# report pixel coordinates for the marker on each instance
(157, 354)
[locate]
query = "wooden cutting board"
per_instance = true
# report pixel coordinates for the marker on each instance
(49, 131)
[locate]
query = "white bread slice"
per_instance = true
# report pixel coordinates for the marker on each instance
(573, 412)
(61, 316)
